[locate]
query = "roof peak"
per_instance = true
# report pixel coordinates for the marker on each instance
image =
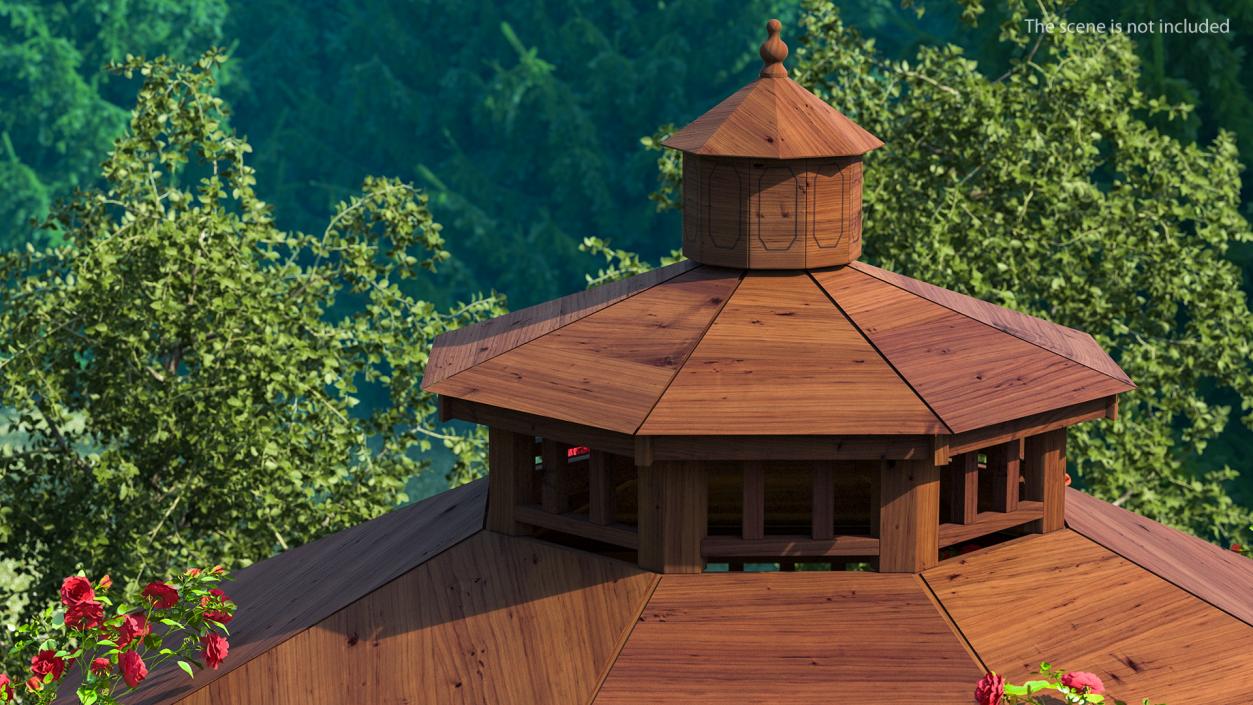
(773, 51)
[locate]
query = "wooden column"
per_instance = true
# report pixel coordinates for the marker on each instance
(673, 516)
(510, 479)
(960, 502)
(558, 478)
(909, 516)
(1003, 476)
(822, 513)
(1044, 469)
(600, 487)
(753, 516)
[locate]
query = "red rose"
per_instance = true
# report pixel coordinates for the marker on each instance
(162, 596)
(215, 650)
(76, 589)
(100, 666)
(6, 687)
(1083, 681)
(193, 572)
(35, 683)
(45, 662)
(132, 667)
(106, 582)
(133, 626)
(85, 615)
(1237, 548)
(219, 617)
(990, 690)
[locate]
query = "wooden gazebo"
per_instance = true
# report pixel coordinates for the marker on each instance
(667, 450)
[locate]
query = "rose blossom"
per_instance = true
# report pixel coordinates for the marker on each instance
(163, 596)
(133, 626)
(215, 650)
(1083, 681)
(132, 667)
(990, 689)
(35, 683)
(45, 662)
(6, 686)
(76, 589)
(106, 582)
(100, 666)
(85, 615)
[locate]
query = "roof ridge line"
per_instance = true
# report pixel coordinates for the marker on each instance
(654, 285)
(942, 609)
(874, 347)
(1011, 333)
(699, 339)
(626, 637)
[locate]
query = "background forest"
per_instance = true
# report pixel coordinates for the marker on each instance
(526, 127)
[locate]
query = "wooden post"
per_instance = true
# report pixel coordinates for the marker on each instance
(753, 517)
(822, 513)
(557, 477)
(673, 516)
(600, 487)
(1004, 462)
(960, 503)
(909, 515)
(1044, 469)
(511, 461)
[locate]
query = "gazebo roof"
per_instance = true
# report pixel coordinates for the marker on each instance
(696, 350)
(423, 606)
(773, 118)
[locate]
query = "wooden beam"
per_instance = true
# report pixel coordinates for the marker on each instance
(519, 422)
(822, 511)
(990, 523)
(776, 547)
(511, 470)
(673, 516)
(1004, 475)
(753, 515)
(616, 534)
(770, 447)
(600, 488)
(909, 516)
(1044, 469)
(960, 501)
(981, 438)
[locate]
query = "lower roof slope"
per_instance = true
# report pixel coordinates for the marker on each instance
(700, 350)
(422, 606)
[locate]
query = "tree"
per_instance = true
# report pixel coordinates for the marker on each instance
(182, 375)
(1043, 190)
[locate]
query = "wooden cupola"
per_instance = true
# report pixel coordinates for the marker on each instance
(772, 175)
(771, 398)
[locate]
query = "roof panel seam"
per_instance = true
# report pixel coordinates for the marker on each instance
(682, 363)
(1011, 333)
(952, 623)
(879, 352)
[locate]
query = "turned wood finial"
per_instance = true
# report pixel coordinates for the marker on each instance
(773, 51)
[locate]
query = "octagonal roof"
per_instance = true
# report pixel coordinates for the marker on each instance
(704, 351)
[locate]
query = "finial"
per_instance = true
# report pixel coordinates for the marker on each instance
(773, 51)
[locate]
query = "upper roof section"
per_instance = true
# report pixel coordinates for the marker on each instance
(697, 350)
(774, 118)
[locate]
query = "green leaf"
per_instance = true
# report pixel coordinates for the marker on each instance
(186, 668)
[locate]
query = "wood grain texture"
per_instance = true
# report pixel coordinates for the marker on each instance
(771, 548)
(822, 510)
(1217, 576)
(959, 496)
(1085, 607)
(606, 369)
(1067, 342)
(1003, 477)
(495, 620)
(600, 488)
(753, 504)
(281, 597)
(773, 118)
(1044, 477)
(534, 425)
(510, 477)
(673, 516)
(797, 638)
(987, 523)
(1043, 422)
(560, 478)
(782, 447)
(909, 516)
(464, 348)
(774, 361)
(971, 374)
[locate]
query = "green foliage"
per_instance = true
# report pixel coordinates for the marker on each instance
(59, 116)
(184, 376)
(1042, 190)
(620, 264)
